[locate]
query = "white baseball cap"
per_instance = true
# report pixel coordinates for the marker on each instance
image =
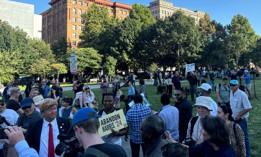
(205, 86)
(204, 101)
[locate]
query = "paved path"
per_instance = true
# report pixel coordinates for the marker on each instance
(97, 86)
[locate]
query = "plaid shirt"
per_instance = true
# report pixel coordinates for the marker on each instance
(134, 118)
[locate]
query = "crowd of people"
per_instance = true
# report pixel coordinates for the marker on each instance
(34, 122)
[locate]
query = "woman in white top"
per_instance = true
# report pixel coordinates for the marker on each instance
(203, 106)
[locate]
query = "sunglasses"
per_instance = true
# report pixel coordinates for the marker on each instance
(177, 94)
(232, 85)
(2, 104)
(26, 107)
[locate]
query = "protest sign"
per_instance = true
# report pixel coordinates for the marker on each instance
(115, 121)
(190, 67)
(73, 63)
(145, 101)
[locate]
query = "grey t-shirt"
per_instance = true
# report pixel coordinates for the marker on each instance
(224, 92)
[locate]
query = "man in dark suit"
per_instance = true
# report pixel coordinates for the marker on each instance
(42, 134)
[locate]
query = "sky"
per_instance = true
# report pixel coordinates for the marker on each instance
(221, 11)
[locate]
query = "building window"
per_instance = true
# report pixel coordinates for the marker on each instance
(80, 11)
(80, 28)
(121, 19)
(74, 19)
(80, 3)
(120, 11)
(125, 12)
(80, 20)
(74, 1)
(74, 27)
(74, 11)
(74, 35)
(112, 11)
(86, 4)
(74, 43)
(86, 12)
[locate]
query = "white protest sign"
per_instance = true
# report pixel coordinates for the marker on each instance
(190, 67)
(73, 63)
(115, 121)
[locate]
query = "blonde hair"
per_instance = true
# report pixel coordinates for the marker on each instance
(48, 103)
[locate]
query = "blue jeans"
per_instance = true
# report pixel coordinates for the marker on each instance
(212, 84)
(243, 125)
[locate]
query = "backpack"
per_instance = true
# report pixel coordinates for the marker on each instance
(219, 86)
(192, 122)
(136, 92)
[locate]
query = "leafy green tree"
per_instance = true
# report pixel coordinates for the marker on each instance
(140, 18)
(206, 28)
(12, 39)
(214, 50)
(41, 66)
(153, 67)
(59, 50)
(255, 55)
(8, 64)
(173, 41)
(109, 66)
(97, 21)
(60, 68)
(241, 38)
(36, 50)
(88, 60)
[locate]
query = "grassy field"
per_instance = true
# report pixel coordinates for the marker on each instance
(254, 124)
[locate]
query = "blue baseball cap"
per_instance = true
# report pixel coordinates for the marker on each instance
(83, 115)
(234, 82)
(27, 102)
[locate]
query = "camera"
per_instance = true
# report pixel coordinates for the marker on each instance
(2, 133)
(189, 142)
(70, 145)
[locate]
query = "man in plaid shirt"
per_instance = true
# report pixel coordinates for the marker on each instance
(134, 118)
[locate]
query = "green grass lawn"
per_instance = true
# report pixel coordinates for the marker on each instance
(254, 124)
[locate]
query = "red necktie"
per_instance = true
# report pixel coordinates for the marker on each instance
(50, 141)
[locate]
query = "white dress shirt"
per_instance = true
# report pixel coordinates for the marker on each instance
(43, 152)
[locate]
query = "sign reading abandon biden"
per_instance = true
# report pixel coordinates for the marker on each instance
(115, 121)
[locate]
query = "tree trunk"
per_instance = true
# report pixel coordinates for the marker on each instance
(58, 75)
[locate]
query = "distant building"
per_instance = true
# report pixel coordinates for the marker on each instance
(64, 20)
(21, 15)
(161, 9)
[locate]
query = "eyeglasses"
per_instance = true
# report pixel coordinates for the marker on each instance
(2, 104)
(26, 107)
(232, 85)
(177, 94)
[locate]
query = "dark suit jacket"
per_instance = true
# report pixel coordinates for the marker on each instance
(34, 131)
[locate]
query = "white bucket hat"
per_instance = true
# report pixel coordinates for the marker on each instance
(204, 101)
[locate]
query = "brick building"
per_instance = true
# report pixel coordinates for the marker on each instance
(64, 19)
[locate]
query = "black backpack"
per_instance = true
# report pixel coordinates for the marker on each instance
(192, 122)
